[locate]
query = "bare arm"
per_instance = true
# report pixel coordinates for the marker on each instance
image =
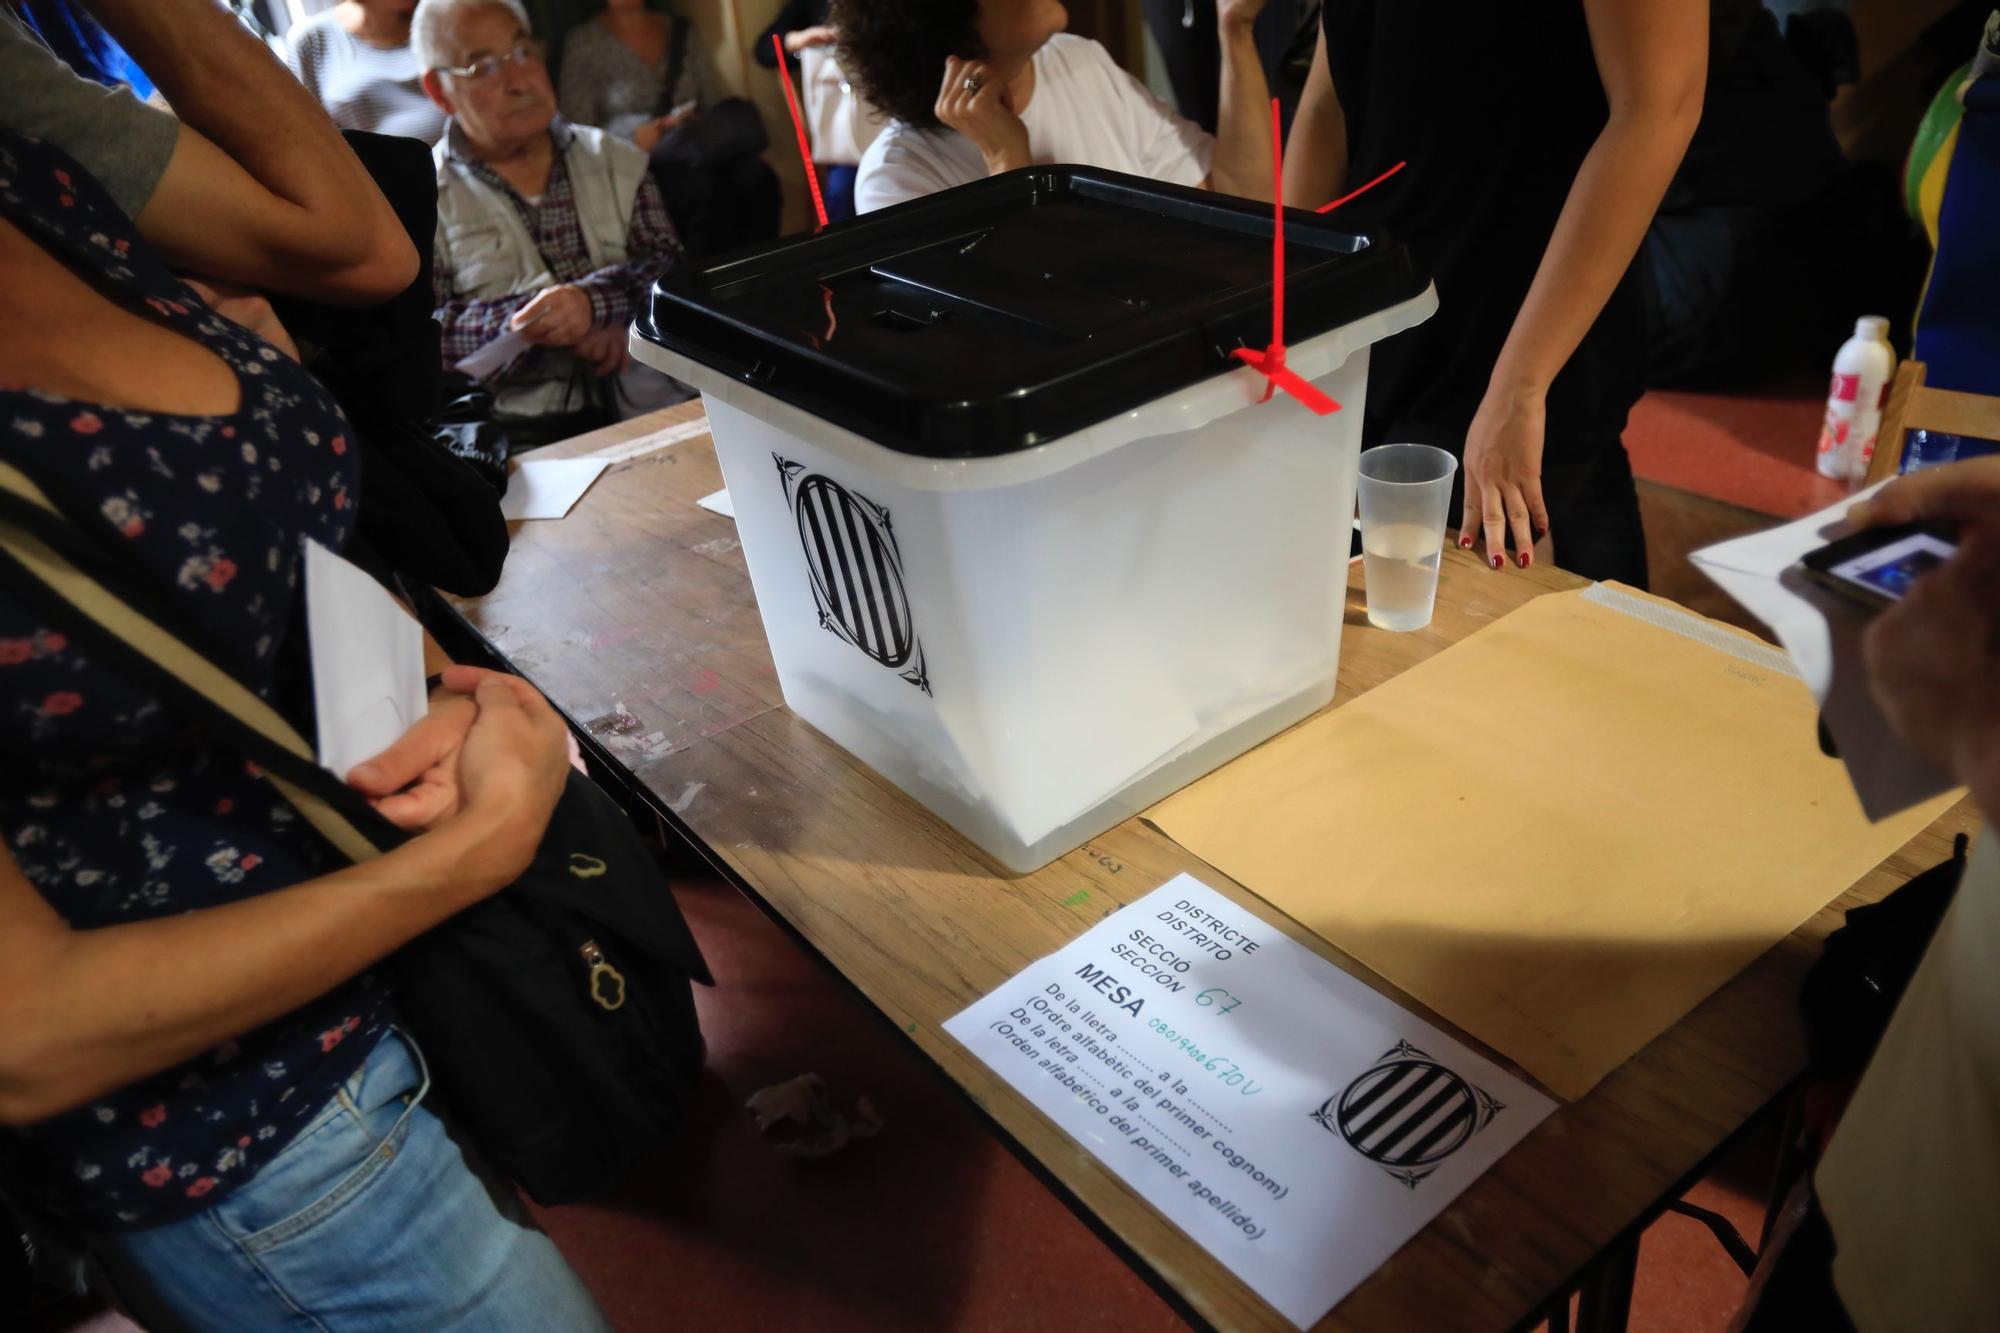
(1652, 56)
(1316, 156)
(92, 1010)
(1243, 126)
(261, 190)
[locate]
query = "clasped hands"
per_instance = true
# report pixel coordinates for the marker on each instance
(489, 739)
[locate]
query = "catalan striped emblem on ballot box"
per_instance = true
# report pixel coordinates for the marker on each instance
(856, 570)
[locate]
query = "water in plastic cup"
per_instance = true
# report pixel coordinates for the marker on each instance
(1405, 497)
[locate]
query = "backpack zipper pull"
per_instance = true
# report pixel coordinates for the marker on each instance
(606, 983)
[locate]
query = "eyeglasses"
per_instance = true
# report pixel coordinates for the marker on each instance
(527, 51)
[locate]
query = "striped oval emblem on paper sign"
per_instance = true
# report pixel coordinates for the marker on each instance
(1407, 1113)
(856, 570)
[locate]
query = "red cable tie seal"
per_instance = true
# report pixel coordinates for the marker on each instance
(1270, 363)
(1361, 190)
(799, 127)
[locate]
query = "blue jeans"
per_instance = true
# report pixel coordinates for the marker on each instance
(372, 1219)
(837, 186)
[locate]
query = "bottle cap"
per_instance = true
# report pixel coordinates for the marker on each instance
(1871, 326)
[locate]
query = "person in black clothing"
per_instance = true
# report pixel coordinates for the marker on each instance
(801, 25)
(1540, 137)
(1761, 252)
(1185, 32)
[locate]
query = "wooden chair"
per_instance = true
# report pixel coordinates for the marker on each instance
(1914, 406)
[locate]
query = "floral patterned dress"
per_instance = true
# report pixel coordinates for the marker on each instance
(116, 808)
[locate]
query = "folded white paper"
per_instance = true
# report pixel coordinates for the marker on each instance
(491, 358)
(548, 488)
(1295, 1123)
(367, 657)
(1822, 631)
(718, 503)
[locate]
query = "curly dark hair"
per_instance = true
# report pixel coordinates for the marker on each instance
(894, 50)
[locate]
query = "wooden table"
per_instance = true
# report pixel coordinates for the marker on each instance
(635, 615)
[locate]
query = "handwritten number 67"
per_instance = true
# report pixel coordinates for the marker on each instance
(1215, 995)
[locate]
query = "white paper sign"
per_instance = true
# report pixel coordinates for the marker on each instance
(548, 489)
(367, 662)
(1298, 1125)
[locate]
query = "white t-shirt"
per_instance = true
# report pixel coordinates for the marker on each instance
(1911, 1181)
(1084, 110)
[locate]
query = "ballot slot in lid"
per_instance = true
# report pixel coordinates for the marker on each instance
(1003, 314)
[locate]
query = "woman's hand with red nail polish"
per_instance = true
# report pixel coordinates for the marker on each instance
(1503, 470)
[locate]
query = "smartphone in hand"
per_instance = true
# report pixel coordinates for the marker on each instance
(1875, 568)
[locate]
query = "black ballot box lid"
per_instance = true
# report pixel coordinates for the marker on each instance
(1016, 310)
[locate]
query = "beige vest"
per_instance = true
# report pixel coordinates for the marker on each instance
(1911, 1181)
(493, 254)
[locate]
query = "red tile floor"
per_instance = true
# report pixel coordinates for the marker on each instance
(1753, 449)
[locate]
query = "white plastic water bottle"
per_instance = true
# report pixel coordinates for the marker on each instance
(1861, 374)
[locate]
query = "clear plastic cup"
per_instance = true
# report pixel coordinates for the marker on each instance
(1405, 498)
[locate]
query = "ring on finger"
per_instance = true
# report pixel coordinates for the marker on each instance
(972, 83)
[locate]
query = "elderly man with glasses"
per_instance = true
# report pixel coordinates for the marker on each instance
(547, 231)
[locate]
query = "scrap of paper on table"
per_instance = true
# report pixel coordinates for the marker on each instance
(1298, 1125)
(1561, 833)
(718, 503)
(548, 488)
(367, 656)
(1823, 633)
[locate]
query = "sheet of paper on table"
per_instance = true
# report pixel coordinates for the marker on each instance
(1297, 1124)
(1561, 833)
(548, 488)
(718, 503)
(367, 657)
(1823, 634)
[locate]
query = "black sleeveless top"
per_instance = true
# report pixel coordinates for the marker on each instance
(1494, 107)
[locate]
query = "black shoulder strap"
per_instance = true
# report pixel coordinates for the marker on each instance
(35, 563)
(677, 35)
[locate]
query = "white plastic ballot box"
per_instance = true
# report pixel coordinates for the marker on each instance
(1025, 536)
